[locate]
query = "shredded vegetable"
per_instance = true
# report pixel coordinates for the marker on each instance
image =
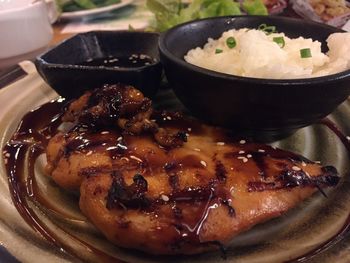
(279, 41)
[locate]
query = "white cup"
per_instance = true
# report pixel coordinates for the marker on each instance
(25, 29)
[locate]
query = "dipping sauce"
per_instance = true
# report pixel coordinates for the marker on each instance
(123, 61)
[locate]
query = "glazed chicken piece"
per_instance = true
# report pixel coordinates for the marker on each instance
(166, 184)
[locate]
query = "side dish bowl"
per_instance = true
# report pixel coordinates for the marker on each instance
(266, 109)
(73, 66)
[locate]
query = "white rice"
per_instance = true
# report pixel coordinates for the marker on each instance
(257, 55)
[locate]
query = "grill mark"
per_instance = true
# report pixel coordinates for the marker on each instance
(94, 170)
(291, 179)
(173, 180)
(220, 171)
(259, 159)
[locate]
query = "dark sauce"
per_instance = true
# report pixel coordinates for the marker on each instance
(124, 61)
(39, 126)
(32, 136)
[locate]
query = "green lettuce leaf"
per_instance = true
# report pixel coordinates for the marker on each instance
(254, 7)
(169, 13)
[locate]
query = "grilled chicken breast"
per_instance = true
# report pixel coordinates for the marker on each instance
(166, 184)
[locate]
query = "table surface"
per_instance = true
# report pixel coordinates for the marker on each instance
(58, 36)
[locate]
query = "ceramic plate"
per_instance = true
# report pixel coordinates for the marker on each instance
(315, 231)
(95, 11)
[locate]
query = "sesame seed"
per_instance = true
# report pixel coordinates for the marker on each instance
(88, 153)
(303, 163)
(165, 198)
(296, 168)
(231, 169)
(241, 152)
(189, 129)
(307, 173)
(105, 132)
(169, 118)
(7, 155)
(318, 162)
(203, 163)
(124, 159)
(348, 138)
(48, 137)
(187, 135)
(249, 156)
(5, 161)
(120, 138)
(242, 141)
(261, 151)
(244, 159)
(135, 158)
(220, 143)
(197, 149)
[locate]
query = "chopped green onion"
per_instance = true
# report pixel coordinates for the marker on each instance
(279, 41)
(218, 50)
(267, 29)
(305, 53)
(262, 27)
(231, 42)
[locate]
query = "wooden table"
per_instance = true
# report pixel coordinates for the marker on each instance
(57, 35)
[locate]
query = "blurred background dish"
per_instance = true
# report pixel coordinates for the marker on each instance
(332, 12)
(95, 11)
(25, 29)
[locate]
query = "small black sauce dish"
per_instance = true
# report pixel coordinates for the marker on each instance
(89, 60)
(266, 109)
